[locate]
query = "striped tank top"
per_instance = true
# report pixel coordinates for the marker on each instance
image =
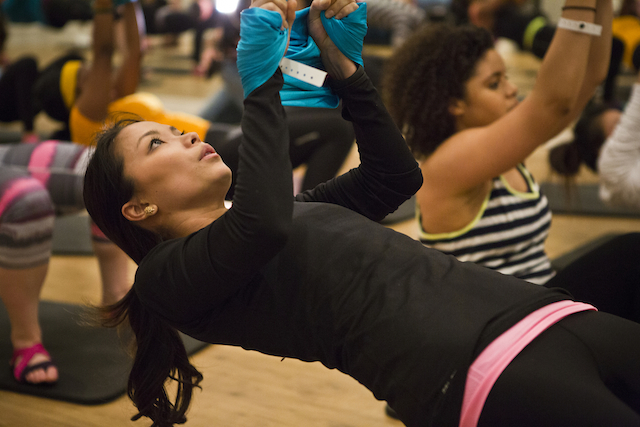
(507, 234)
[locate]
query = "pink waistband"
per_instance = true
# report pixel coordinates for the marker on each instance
(493, 360)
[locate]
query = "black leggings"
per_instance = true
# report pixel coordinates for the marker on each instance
(319, 138)
(583, 371)
(607, 277)
(15, 91)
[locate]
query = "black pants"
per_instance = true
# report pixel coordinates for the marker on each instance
(319, 138)
(583, 371)
(607, 277)
(15, 91)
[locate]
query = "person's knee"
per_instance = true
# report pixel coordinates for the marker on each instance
(26, 223)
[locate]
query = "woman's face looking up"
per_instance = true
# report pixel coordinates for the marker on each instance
(171, 169)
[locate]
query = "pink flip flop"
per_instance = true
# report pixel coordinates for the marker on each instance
(21, 370)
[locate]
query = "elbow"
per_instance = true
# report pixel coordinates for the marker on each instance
(596, 78)
(561, 107)
(416, 180)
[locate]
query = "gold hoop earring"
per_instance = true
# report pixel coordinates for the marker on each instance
(149, 210)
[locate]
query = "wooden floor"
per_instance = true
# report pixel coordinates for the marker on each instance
(242, 388)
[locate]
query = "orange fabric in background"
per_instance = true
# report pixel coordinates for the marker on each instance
(145, 105)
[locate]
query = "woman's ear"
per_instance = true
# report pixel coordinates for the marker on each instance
(456, 107)
(133, 210)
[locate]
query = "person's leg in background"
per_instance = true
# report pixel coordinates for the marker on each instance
(26, 226)
(67, 162)
(114, 268)
(16, 84)
(607, 277)
(321, 139)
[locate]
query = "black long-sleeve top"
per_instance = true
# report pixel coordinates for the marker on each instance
(318, 279)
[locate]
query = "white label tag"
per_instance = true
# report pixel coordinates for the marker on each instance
(580, 26)
(303, 72)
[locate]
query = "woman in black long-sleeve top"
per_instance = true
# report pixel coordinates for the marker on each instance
(318, 279)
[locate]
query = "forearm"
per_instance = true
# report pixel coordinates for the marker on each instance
(563, 72)
(380, 143)
(338, 66)
(388, 174)
(599, 57)
(127, 78)
(102, 36)
(264, 188)
(600, 53)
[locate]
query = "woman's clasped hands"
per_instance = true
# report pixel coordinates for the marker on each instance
(337, 64)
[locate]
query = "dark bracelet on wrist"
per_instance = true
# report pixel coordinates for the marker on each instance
(98, 10)
(593, 9)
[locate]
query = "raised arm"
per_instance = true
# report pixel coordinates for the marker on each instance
(127, 76)
(220, 259)
(388, 174)
(573, 67)
(96, 95)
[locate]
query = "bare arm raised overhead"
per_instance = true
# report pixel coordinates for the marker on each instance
(573, 67)
(95, 95)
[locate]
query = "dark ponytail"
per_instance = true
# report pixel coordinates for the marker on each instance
(588, 138)
(159, 354)
(565, 159)
(159, 350)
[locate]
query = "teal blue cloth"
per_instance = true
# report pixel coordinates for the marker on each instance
(121, 2)
(23, 10)
(262, 45)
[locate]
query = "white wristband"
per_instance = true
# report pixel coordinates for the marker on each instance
(580, 26)
(302, 72)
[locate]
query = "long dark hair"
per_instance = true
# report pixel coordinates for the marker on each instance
(159, 350)
(425, 75)
(589, 136)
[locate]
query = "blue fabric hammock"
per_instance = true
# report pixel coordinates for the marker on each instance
(262, 46)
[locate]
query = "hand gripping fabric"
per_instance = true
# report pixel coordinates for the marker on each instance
(261, 47)
(261, 56)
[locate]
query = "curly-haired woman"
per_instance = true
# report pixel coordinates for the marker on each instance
(448, 91)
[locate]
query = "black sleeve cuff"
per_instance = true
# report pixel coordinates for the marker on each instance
(356, 79)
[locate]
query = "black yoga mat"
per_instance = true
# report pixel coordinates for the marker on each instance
(583, 199)
(92, 363)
